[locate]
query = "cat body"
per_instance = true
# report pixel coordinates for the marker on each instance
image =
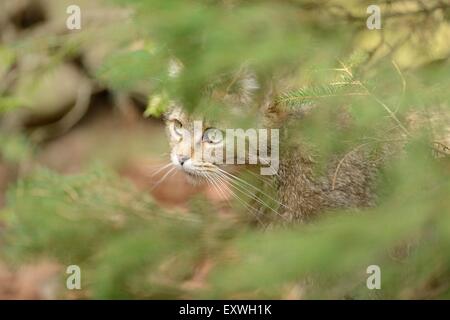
(347, 182)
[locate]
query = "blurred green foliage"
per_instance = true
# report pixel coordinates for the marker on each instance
(129, 247)
(15, 148)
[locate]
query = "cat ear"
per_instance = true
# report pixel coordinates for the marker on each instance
(241, 88)
(275, 112)
(172, 107)
(272, 111)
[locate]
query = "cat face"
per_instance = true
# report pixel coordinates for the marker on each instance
(196, 148)
(202, 149)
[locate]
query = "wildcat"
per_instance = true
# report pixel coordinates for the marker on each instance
(347, 181)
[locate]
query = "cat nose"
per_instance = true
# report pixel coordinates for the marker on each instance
(182, 159)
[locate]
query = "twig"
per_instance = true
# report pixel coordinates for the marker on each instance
(333, 184)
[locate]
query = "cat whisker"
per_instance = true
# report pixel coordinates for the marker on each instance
(163, 178)
(252, 186)
(241, 188)
(250, 208)
(259, 177)
(217, 187)
(160, 168)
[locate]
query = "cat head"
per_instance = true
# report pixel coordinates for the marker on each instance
(200, 145)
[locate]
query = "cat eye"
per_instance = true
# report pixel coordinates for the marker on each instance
(212, 135)
(177, 126)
